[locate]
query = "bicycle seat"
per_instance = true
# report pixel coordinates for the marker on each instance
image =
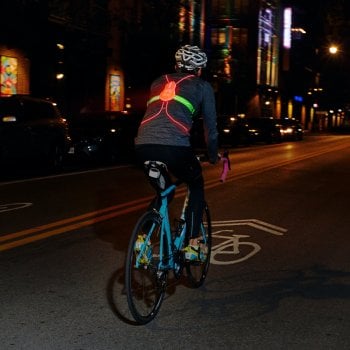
(158, 174)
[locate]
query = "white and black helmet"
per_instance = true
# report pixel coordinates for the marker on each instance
(190, 58)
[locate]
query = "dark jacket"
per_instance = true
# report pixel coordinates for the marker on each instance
(174, 100)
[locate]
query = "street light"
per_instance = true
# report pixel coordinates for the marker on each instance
(333, 49)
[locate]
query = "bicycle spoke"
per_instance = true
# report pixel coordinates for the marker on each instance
(144, 283)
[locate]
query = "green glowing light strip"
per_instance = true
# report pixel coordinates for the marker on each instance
(180, 99)
(185, 102)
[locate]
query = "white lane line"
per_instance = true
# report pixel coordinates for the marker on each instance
(13, 206)
(258, 224)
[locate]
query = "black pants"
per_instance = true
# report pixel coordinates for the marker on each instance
(184, 165)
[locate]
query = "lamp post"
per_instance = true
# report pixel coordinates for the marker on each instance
(327, 89)
(340, 114)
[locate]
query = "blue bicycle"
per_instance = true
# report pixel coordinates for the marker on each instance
(155, 248)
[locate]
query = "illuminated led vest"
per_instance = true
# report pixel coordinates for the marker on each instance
(167, 95)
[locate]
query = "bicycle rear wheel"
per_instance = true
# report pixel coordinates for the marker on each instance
(197, 270)
(144, 284)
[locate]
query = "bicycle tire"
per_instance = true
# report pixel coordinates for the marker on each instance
(145, 285)
(197, 271)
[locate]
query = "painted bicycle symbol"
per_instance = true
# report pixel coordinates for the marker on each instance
(235, 248)
(232, 245)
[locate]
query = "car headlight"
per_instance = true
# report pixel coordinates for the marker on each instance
(287, 131)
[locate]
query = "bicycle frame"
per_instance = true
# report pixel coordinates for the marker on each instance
(168, 244)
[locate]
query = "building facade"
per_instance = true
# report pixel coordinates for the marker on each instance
(61, 50)
(102, 54)
(244, 43)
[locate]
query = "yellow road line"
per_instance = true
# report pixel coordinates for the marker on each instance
(72, 219)
(27, 236)
(233, 177)
(71, 227)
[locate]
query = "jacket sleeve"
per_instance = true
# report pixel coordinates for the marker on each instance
(209, 121)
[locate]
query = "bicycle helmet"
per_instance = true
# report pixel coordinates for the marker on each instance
(190, 58)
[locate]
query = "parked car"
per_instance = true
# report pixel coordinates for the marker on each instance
(233, 131)
(32, 129)
(291, 129)
(106, 137)
(265, 130)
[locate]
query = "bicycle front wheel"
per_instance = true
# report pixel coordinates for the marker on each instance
(197, 270)
(144, 284)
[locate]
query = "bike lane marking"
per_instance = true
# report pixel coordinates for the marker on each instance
(231, 243)
(260, 225)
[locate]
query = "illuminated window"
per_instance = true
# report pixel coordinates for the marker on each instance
(218, 36)
(182, 20)
(268, 50)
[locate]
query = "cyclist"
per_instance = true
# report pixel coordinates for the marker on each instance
(164, 132)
